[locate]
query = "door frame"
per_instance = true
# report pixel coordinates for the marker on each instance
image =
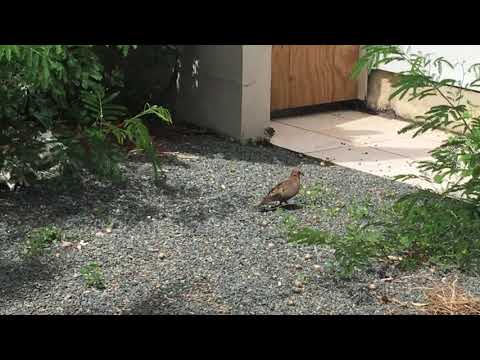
(256, 88)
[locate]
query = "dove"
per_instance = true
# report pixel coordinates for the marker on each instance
(284, 191)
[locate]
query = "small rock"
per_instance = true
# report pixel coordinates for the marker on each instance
(100, 234)
(264, 223)
(162, 255)
(290, 303)
(297, 290)
(317, 268)
(308, 257)
(81, 244)
(108, 230)
(298, 267)
(65, 244)
(279, 283)
(384, 299)
(372, 286)
(298, 284)
(223, 187)
(271, 245)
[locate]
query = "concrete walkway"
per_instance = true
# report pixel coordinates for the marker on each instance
(359, 141)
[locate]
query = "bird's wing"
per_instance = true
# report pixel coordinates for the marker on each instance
(279, 189)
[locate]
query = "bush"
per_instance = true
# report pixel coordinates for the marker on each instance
(58, 111)
(457, 161)
(420, 228)
(92, 274)
(40, 239)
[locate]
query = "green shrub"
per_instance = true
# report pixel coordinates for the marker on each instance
(58, 111)
(421, 228)
(455, 162)
(40, 239)
(93, 276)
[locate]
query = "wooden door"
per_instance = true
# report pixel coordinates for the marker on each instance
(305, 75)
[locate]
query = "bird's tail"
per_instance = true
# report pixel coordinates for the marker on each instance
(264, 201)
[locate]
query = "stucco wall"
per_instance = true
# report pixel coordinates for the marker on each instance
(380, 81)
(455, 54)
(213, 97)
(256, 90)
(380, 88)
(230, 92)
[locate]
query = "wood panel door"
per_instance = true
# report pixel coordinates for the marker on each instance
(305, 75)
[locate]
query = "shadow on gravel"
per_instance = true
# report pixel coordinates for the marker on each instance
(39, 206)
(131, 202)
(181, 299)
(160, 303)
(201, 210)
(198, 142)
(288, 207)
(175, 192)
(15, 276)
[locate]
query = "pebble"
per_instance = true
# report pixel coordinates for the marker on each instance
(271, 245)
(162, 255)
(290, 303)
(372, 286)
(318, 268)
(308, 257)
(298, 284)
(297, 290)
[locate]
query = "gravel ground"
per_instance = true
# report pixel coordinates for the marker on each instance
(196, 244)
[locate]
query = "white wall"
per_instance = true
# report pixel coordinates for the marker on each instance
(229, 91)
(211, 96)
(470, 54)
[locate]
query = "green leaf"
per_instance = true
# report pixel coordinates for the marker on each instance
(111, 97)
(438, 178)
(476, 171)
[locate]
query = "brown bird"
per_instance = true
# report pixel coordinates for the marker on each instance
(284, 191)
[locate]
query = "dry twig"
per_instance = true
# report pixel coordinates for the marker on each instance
(450, 299)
